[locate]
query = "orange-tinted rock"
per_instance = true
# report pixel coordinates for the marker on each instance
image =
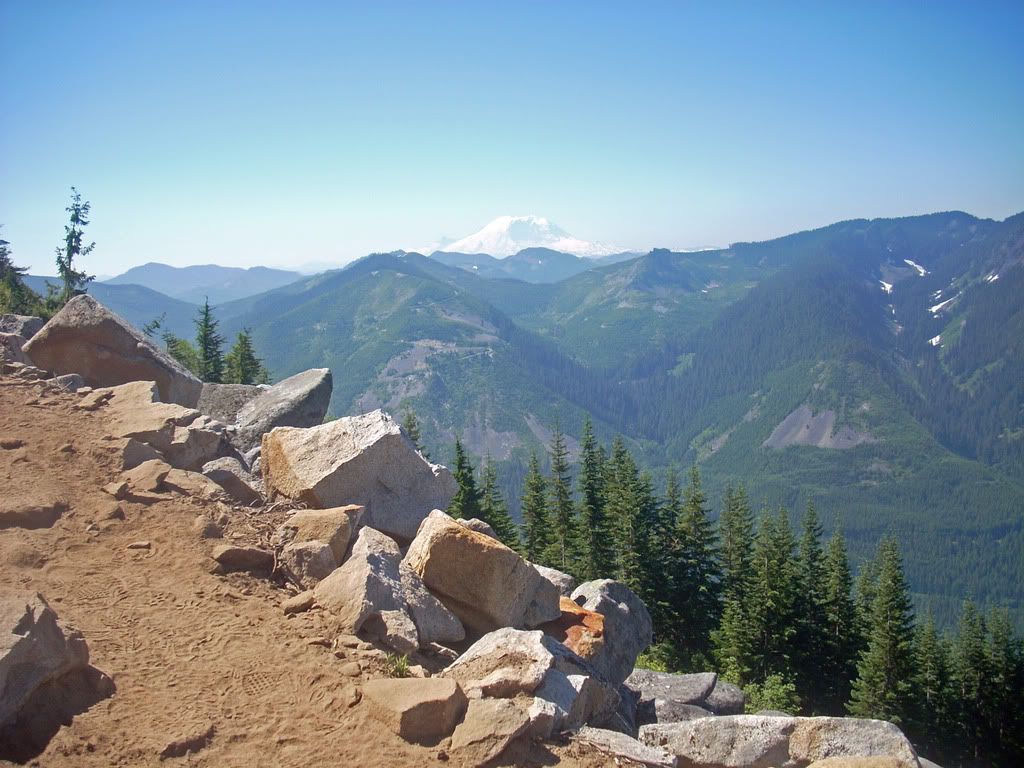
(579, 630)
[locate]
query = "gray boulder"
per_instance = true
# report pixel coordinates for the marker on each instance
(298, 401)
(223, 401)
(479, 526)
(12, 349)
(627, 625)
(622, 747)
(364, 460)
(308, 562)
(230, 475)
(22, 325)
(395, 629)
(367, 584)
(87, 338)
(667, 698)
(434, 622)
(34, 650)
(726, 699)
(563, 582)
(759, 742)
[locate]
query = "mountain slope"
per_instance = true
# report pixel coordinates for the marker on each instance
(531, 265)
(197, 283)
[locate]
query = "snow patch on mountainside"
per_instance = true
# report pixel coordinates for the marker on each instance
(507, 235)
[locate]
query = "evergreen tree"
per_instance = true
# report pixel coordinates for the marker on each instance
(812, 627)
(697, 580)
(624, 512)
(411, 425)
(664, 558)
(970, 676)
(596, 558)
(466, 502)
(182, 351)
(536, 526)
(562, 552)
(16, 297)
(493, 509)
(884, 685)
(241, 364)
(73, 281)
(1004, 702)
(736, 533)
(735, 642)
(773, 597)
(209, 344)
(864, 601)
(840, 650)
(931, 661)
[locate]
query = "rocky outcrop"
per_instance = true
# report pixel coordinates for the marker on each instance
(87, 338)
(627, 626)
(787, 742)
(726, 699)
(483, 582)
(434, 622)
(298, 401)
(34, 651)
(336, 527)
(364, 460)
(26, 326)
(418, 710)
(563, 582)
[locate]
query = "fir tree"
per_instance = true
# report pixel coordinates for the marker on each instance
(773, 597)
(812, 627)
(735, 642)
(493, 509)
(16, 297)
(596, 558)
(411, 425)
(697, 580)
(182, 351)
(840, 649)
(241, 366)
(73, 281)
(970, 677)
(466, 502)
(931, 679)
(736, 533)
(562, 552)
(623, 494)
(1004, 702)
(884, 685)
(536, 526)
(209, 345)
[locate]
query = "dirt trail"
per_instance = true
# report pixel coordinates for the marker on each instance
(193, 655)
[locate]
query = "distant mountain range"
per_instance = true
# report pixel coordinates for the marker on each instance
(197, 283)
(876, 367)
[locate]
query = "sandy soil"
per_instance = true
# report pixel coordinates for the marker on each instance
(192, 654)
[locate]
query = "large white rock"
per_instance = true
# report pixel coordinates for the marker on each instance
(627, 625)
(434, 622)
(298, 401)
(619, 746)
(739, 741)
(34, 650)
(364, 460)
(87, 338)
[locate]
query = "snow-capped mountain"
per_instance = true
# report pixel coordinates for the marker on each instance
(507, 235)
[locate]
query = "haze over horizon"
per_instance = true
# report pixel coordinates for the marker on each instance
(246, 135)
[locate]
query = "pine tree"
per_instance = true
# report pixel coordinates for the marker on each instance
(73, 281)
(241, 364)
(596, 558)
(493, 509)
(970, 676)
(623, 496)
(735, 642)
(864, 600)
(884, 685)
(536, 526)
(1004, 702)
(562, 552)
(411, 425)
(466, 502)
(931, 680)
(16, 297)
(812, 627)
(664, 558)
(773, 597)
(209, 344)
(182, 351)
(697, 581)
(736, 533)
(839, 662)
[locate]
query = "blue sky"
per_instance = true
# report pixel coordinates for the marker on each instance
(289, 133)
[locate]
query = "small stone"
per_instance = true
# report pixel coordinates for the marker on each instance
(139, 545)
(119, 490)
(350, 669)
(348, 641)
(235, 558)
(299, 603)
(205, 528)
(10, 443)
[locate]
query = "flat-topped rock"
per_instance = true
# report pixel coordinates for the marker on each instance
(86, 338)
(420, 710)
